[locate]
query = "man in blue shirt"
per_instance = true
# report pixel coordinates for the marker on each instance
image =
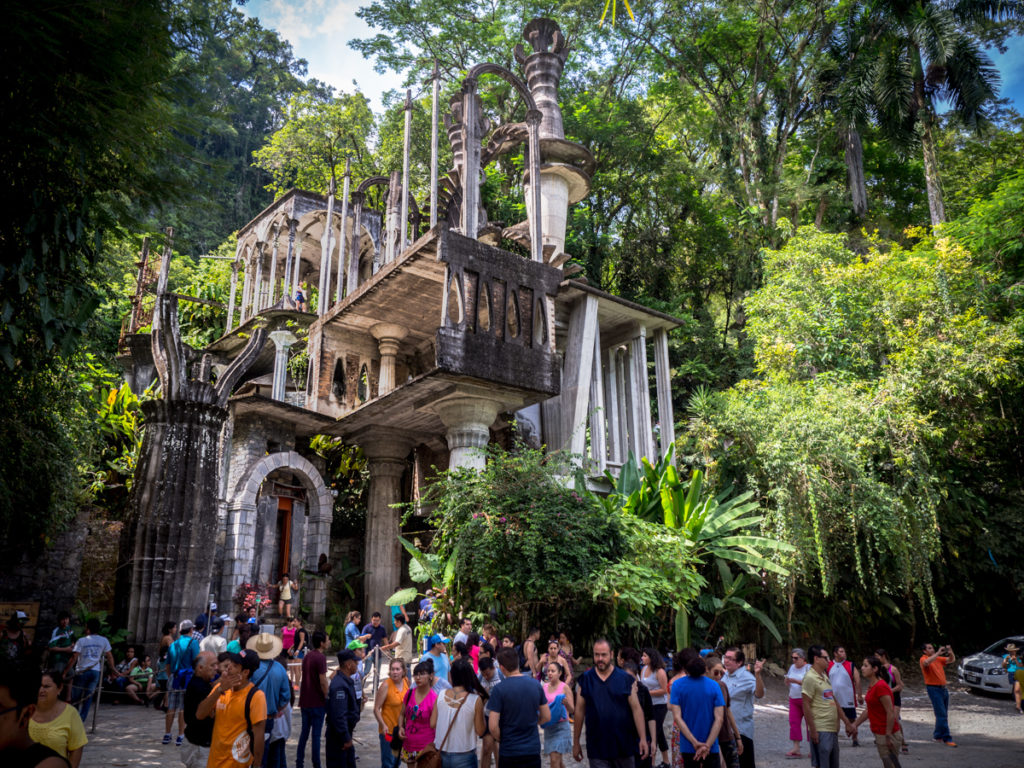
(697, 709)
(609, 705)
(515, 709)
(743, 687)
(378, 635)
(272, 679)
(342, 714)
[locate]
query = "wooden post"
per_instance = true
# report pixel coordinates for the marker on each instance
(433, 145)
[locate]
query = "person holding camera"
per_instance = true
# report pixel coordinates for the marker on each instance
(933, 667)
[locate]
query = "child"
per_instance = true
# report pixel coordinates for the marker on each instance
(284, 601)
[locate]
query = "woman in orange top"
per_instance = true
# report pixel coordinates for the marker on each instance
(387, 706)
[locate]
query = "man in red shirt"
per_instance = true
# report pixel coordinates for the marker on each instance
(933, 667)
(313, 698)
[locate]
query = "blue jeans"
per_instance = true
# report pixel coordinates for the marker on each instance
(83, 689)
(387, 760)
(939, 696)
(273, 754)
(312, 718)
(458, 759)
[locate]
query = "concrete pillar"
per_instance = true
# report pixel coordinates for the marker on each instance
(468, 419)
(388, 337)
(282, 342)
(387, 455)
(231, 299)
(272, 282)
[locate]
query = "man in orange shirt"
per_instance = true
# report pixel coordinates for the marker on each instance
(237, 738)
(933, 667)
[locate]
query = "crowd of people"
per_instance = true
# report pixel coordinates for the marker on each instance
(230, 688)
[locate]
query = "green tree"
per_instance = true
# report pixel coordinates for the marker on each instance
(321, 130)
(901, 58)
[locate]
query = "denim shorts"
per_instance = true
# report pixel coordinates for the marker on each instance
(459, 759)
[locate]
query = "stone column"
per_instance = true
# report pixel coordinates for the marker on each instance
(282, 342)
(468, 420)
(387, 453)
(388, 337)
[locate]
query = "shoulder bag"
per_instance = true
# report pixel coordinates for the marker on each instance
(432, 759)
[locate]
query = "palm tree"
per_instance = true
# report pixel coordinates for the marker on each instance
(897, 58)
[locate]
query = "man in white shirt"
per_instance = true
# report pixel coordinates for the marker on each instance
(215, 642)
(845, 681)
(743, 689)
(87, 659)
(402, 643)
(465, 627)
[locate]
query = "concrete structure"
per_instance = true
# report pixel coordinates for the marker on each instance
(420, 341)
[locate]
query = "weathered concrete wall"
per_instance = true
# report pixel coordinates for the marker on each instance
(50, 577)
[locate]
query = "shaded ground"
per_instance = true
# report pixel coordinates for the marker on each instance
(989, 731)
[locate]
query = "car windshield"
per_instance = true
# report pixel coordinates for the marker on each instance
(999, 648)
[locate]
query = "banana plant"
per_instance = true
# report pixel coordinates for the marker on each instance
(718, 528)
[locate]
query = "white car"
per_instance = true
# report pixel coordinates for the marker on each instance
(985, 671)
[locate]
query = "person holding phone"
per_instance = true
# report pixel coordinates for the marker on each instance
(933, 667)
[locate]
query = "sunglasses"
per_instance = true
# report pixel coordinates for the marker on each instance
(9, 709)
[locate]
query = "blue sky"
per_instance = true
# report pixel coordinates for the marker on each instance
(319, 31)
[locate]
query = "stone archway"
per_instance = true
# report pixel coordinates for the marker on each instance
(240, 540)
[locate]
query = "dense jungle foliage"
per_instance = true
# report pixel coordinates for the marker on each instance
(829, 193)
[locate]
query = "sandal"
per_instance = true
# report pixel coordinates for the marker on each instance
(793, 755)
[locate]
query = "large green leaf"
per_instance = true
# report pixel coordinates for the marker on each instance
(402, 596)
(761, 617)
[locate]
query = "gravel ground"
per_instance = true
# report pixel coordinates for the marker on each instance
(988, 729)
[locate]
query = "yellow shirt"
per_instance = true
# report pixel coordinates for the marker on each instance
(64, 734)
(818, 689)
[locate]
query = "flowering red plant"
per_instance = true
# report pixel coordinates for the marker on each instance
(252, 595)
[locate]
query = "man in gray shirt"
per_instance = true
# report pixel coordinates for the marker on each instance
(743, 689)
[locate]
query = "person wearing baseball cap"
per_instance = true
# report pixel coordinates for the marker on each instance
(236, 744)
(342, 713)
(272, 679)
(437, 653)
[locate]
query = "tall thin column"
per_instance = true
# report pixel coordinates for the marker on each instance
(353, 259)
(640, 402)
(323, 299)
(243, 309)
(663, 378)
(470, 161)
(289, 260)
(403, 230)
(433, 144)
(298, 264)
(272, 284)
(257, 299)
(344, 223)
(391, 223)
(533, 118)
(234, 290)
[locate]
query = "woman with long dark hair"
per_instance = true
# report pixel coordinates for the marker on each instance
(880, 712)
(460, 717)
(655, 679)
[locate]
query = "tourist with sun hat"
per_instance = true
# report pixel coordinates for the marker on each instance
(272, 679)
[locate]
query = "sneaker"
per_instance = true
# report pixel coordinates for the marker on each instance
(950, 743)
(166, 739)
(180, 741)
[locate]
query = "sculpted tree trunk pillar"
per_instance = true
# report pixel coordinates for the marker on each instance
(173, 518)
(387, 454)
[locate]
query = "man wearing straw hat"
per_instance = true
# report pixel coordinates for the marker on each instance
(272, 679)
